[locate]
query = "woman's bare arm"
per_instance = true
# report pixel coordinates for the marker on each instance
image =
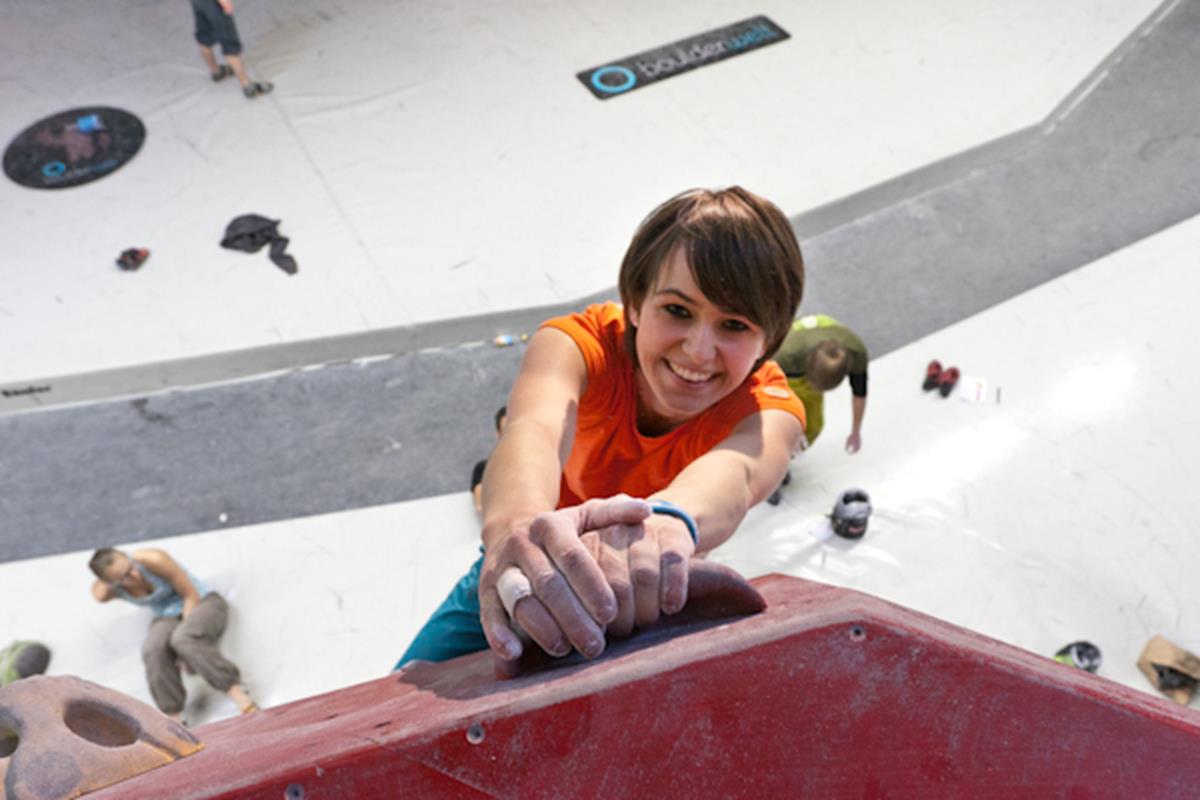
(718, 488)
(571, 598)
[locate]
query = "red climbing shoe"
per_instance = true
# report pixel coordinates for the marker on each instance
(947, 381)
(933, 374)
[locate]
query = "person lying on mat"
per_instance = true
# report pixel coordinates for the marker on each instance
(188, 622)
(668, 398)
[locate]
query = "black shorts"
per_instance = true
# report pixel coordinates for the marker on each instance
(214, 26)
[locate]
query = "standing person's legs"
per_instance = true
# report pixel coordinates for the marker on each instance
(206, 40)
(162, 668)
(195, 640)
(210, 60)
(225, 33)
(238, 67)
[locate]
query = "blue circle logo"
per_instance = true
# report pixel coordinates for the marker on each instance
(628, 82)
(54, 169)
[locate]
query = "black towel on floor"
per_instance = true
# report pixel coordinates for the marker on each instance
(250, 232)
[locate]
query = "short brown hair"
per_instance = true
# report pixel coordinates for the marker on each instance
(102, 559)
(742, 252)
(827, 365)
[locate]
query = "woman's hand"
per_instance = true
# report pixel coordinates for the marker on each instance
(102, 591)
(646, 565)
(571, 600)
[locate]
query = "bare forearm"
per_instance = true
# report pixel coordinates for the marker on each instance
(858, 408)
(718, 488)
(525, 469)
(716, 519)
(717, 491)
(522, 478)
(191, 597)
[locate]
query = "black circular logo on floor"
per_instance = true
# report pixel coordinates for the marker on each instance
(73, 147)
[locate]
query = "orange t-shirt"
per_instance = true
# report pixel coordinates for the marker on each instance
(609, 455)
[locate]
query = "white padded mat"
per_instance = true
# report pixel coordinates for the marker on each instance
(436, 160)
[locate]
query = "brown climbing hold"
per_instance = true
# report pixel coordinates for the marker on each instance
(62, 737)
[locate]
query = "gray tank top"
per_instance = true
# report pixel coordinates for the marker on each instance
(164, 601)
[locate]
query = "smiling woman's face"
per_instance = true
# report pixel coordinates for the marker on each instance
(691, 353)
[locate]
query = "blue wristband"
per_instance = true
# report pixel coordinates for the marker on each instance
(672, 510)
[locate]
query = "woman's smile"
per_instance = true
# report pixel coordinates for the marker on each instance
(691, 353)
(689, 375)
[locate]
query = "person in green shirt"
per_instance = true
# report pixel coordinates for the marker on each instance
(22, 659)
(818, 353)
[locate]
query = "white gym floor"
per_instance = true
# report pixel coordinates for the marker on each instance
(419, 181)
(438, 160)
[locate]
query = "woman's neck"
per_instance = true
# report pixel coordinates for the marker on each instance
(649, 421)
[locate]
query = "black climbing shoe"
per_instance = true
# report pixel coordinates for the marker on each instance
(253, 90)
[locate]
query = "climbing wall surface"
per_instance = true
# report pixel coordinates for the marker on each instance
(828, 693)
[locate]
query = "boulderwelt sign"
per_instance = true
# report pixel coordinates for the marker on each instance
(633, 72)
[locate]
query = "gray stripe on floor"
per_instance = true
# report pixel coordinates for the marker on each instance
(1118, 161)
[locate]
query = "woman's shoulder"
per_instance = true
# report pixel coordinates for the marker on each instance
(594, 319)
(150, 556)
(599, 333)
(766, 388)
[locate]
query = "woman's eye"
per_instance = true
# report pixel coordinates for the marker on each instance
(736, 325)
(676, 310)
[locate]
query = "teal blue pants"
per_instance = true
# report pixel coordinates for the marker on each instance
(454, 629)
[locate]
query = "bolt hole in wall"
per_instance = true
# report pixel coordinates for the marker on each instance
(294, 791)
(857, 633)
(100, 726)
(8, 742)
(475, 733)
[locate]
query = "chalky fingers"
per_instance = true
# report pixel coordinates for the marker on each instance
(572, 588)
(517, 597)
(644, 570)
(614, 561)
